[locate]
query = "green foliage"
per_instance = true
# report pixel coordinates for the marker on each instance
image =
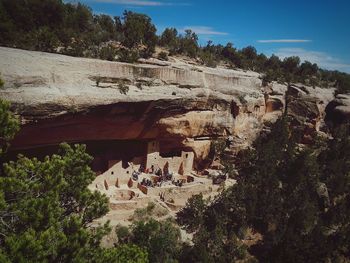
(42, 39)
(46, 208)
(142, 214)
(218, 146)
(295, 198)
(208, 59)
(303, 208)
(37, 24)
(128, 55)
(107, 29)
(229, 53)
(107, 53)
(179, 44)
(123, 234)
(268, 77)
(189, 43)
(191, 216)
(47, 24)
(163, 56)
(342, 82)
(126, 253)
(215, 235)
(76, 48)
(308, 69)
(249, 57)
(161, 239)
(151, 211)
(138, 30)
(169, 38)
(290, 66)
(9, 125)
(131, 253)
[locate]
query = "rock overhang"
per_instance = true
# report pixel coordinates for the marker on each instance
(62, 98)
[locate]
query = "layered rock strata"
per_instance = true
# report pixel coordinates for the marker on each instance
(62, 98)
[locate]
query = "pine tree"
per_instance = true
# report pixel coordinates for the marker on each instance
(9, 124)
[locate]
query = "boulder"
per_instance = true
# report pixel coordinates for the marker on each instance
(338, 110)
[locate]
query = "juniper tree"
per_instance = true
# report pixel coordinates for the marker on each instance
(9, 124)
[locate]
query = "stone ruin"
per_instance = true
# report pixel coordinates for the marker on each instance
(151, 176)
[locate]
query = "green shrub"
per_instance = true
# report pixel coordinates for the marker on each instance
(150, 207)
(46, 40)
(76, 49)
(107, 53)
(162, 239)
(163, 56)
(9, 125)
(127, 253)
(128, 55)
(123, 233)
(208, 59)
(268, 77)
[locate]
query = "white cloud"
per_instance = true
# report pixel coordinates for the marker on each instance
(139, 2)
(322, 59)
(285, 41)
(204, 30)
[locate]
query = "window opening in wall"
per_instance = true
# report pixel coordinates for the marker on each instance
(170, 154)
(125, 164)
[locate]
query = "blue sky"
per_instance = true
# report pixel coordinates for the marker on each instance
(318, 31)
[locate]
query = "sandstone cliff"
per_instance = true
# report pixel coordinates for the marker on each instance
(61, 98)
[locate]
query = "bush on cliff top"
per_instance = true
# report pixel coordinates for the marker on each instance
(55, 26)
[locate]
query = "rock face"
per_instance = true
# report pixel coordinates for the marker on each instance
(338, 110)
(61, 98)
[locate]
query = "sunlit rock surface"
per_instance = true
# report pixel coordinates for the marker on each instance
(62, 98)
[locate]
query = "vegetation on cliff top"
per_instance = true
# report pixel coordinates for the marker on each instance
(72, 29)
